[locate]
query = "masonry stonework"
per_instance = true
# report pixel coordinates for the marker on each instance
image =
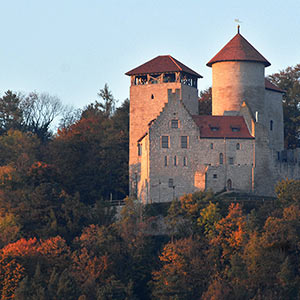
(174, 151)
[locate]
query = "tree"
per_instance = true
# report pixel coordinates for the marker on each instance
(209, 216)
(205, 102)
(70, 116)
(34, 112)
(11, 114)
(39, 111)
(108, 101)
(92, 154)
(289, 81)
(18, 149)
(288, 192)
(231, 232)
(183, 273)
(183, 216)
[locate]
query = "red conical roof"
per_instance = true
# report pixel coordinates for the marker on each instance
(160, 64)
(238, 49)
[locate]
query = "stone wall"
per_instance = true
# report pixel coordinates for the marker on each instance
(197, 165)
(182, 175)
(235, 82)
(146, 102)
(274, 113)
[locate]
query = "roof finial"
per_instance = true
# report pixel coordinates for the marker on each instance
(239, 22)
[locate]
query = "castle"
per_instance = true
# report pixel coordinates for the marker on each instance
(173, 150)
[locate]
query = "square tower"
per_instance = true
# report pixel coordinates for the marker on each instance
(150, 83)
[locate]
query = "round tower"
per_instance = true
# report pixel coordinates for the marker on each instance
(238, 74)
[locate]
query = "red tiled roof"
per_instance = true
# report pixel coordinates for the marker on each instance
(238, 49)
(270, 86)
(162, 63)
(222, 127)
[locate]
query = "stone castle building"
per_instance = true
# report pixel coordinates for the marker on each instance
(173, 150)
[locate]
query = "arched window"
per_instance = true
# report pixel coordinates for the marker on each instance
(221, 158)
(238, 146)
(271, 125)
(229, 184)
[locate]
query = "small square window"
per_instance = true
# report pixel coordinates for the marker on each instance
(215, 176)
(171, 183)
(184, 142)
(165, 141)
(238, 146)
(231, 160)
(174, 124)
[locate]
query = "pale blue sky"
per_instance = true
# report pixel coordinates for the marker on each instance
(71, 48)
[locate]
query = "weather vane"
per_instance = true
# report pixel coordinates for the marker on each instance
(239, 22)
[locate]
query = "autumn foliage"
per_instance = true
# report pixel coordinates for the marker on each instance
(61, 239)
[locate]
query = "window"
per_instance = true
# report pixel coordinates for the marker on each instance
(231, 160)
(271, 125)
(215, 176)
(229, 184)
(211, 146)
(139, 149)
(174, 124)
(238, 146)
(166, 161)
(221, 158)
(175, 161)
(171, 183)
(184, 161)
(214, 128)
(184, 142)
(152, 96)
(235, 129)
(165, 141)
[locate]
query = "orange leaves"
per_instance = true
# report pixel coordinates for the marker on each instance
(55, 247)
(20, 248)
(231, 231)
(87, 267)
(6, 174)
(11, 274)
(20, 258)
(183, 270)
(84, 125)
